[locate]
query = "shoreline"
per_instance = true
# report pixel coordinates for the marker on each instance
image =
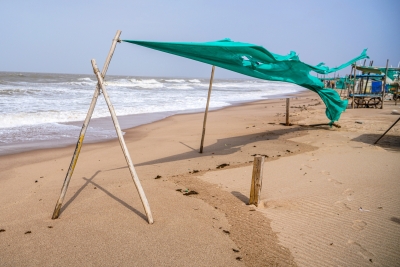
(315, 181)
(126, 122)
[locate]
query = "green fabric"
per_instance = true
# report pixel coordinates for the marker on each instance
(393, 73)
(258, 62)
(328, 79)
(341, 83)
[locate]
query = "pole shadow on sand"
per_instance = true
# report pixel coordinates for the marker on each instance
(228, 145)
(90, 181)
(388, 142)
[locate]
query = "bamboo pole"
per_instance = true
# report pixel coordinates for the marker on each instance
(206, 111)
(256, 180)
(365, 88)
(384, 83)
(348, 85)
(78, 147)
(354, 85)
(362, 79)
(287, 111)
(134, 175)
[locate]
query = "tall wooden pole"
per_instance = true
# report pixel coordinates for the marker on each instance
(366, 84)
(362, 79)
(134, 175)
(348, 84)
(384, 83)
(78, 147)
(205, 113)
(287, 111)
(354, 85)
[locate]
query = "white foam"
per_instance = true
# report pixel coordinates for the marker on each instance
(180, 87)
(175, 81)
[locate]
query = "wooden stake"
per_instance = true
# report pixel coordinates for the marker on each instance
(287, 111)
(384, 83)
(206, 111)
(354, 85)
(134, 175)
(256, 180)
(78, 147)
(348, 84)
(365, 88)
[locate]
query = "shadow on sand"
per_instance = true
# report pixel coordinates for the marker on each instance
(388, 142)
(230, 145)
(90, 181)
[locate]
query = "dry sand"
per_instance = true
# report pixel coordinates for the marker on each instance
(329, 197)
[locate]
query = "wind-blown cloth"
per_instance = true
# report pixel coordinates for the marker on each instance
(258, 62)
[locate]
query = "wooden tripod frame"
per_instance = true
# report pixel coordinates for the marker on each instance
(100, 86)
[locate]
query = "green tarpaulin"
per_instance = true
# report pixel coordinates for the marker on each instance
(258, 62)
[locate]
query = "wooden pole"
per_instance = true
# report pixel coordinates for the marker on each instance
(384, 83)
(348, 84)
(354, 85)
(365, 88)
(206, 111)
(362, 79)
(256, 180)
(287, 111)
(134, 175)
(78, 147)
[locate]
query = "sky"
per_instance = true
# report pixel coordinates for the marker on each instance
(63, 36)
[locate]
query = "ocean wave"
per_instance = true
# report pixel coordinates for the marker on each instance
(194, 81)
(85, 79)
(179, 87)
(175, 81)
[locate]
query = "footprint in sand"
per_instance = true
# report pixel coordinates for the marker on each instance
(362, 251)
(349, 194)
(334, 181)
(359, 225)
(341, 206)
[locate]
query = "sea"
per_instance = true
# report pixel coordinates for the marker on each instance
(41, 110)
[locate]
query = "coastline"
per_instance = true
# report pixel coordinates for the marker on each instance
(102, 220)
(105, 123)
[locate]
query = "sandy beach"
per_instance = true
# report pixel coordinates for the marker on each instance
(329, 197)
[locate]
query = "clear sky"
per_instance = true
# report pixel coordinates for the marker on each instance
(63, 36)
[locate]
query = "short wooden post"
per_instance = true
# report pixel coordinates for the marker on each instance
(78, 147)
(287, 111)
(134, 175)
(256, 180)
(206, 111)
(384, 83)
